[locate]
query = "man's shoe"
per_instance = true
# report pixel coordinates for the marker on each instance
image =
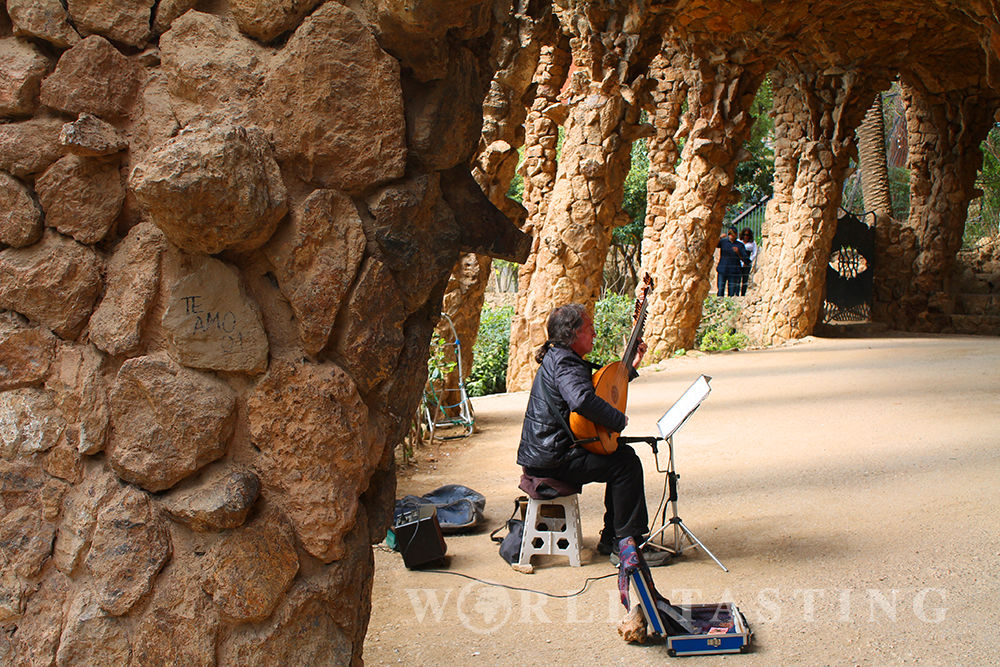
(652, 555)
(605, 548)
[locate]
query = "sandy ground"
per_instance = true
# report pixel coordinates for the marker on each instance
(849, 485)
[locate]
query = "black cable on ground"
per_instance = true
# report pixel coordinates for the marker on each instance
(586, 584)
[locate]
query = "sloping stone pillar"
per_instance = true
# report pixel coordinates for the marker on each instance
(816, 114)
(685, 211)
(572, 240)
(520, 46)
(219, 279)
(916, 257)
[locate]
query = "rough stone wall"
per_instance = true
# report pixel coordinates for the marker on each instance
(912, 287)
(684, 220)
(815, 117)
(572, 241)
(224, 242)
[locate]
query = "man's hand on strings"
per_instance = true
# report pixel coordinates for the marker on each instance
(640, 352)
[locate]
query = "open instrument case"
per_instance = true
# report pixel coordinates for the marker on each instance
(700, 629)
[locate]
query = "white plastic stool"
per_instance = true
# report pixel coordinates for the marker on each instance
(552, 528)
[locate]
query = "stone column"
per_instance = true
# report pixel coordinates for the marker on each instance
(685, 211)
(520, 43)
(816, 114)
(916, 257)
(219, 276)
(572, 240)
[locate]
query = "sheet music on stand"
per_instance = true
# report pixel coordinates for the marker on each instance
(678, 413)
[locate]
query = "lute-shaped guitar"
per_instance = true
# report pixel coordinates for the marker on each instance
(611, 383)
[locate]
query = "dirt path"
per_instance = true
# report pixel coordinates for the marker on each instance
(850, 486)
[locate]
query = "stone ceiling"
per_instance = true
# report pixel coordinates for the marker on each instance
(941, 42)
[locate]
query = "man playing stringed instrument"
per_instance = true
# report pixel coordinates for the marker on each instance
(548, 448)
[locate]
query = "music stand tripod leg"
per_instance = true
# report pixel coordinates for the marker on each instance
(675, 520)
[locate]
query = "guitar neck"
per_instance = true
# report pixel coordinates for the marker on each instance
(632, 348)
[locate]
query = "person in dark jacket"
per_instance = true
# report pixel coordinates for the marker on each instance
(730, 269)
(547, 450)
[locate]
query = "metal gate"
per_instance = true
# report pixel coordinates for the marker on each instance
(849, 275)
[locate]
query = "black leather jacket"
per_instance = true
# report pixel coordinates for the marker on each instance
(545, 443)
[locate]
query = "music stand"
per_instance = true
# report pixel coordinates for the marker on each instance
(669, 424)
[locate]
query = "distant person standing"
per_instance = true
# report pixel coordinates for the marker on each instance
(746, 237)
(730, 269)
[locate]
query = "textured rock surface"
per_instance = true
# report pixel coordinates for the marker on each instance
(129, 546)
(78, 388)
(30, 146)
(369, 353)
(92, 77)
(54, 282)
(81, 196)
(266, 20)
(324, 428)
(350, 141)
(20, 214)
(125, 21)
(23, 67)
(91, 636)
(212, 188)
(25, 353)
(167, 421)
(316, 258)
(89, 136)
(179, 628)
(32, 422)
(219, 505)
(133, 276)
(44, 19)
(210, 65)
(252, 567)
(211, 323)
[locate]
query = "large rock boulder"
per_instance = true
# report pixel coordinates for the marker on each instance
(133, 279)
(212, 188)
(47, 20)
(322, 427)
(217, 505)
(124, 21)
(81, 196)
(167, 422)
(130, 545)
(22, 67)
(89, 136)
(316, 258)
(212, 323)
(54, 282)
(210, 65)
(20, 215)
(411, 222)
(369, 343)
(27, 540)
(92, 77)
(349, 140)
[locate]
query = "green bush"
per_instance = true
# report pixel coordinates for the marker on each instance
(612, 323)
(717, 330)
(488, 374)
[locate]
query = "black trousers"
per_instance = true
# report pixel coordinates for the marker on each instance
(624, 496)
